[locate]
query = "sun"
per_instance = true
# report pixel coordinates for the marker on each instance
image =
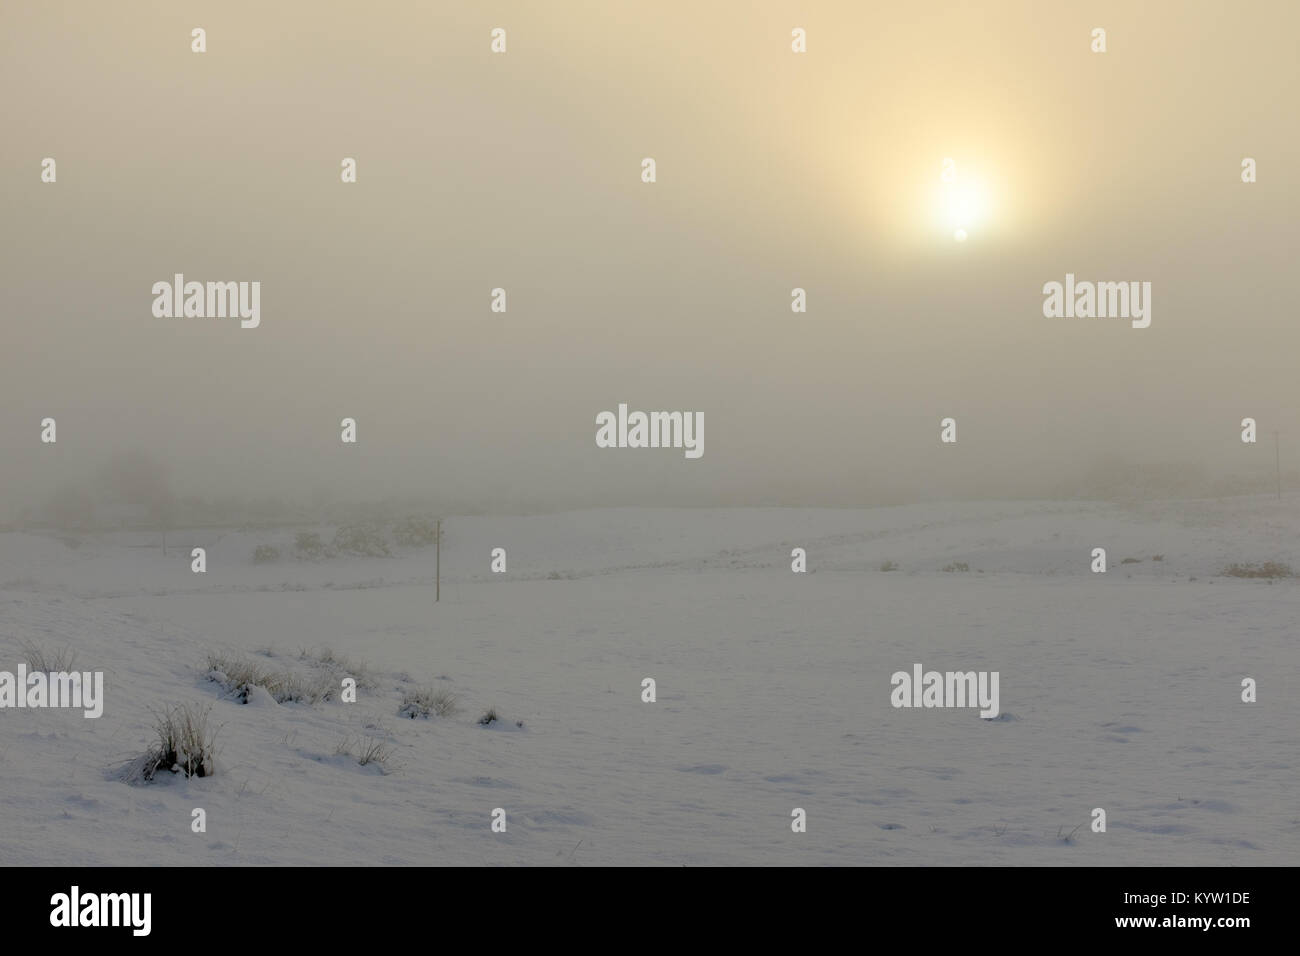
(961, 206)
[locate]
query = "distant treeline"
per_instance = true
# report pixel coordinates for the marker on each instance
(132, 492)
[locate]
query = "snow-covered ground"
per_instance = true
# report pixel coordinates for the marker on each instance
(1120, 691)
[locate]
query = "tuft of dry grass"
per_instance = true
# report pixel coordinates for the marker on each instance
(184, 745)
(366, 750)
(239, 670)
(490, 717)
(1268, 569)
(337, 667)
(236, 675)
(426, 701)
(373, 750)
(38, 660)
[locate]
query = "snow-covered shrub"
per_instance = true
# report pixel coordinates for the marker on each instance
(265, 554)
(415, 532)
(363, 539)
(307, 544)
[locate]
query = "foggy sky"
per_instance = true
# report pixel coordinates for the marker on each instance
(522, 171)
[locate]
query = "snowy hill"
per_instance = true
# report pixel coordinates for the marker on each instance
(1119, 690)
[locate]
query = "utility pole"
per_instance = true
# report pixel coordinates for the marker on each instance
(437, 565)
(1277, 464)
